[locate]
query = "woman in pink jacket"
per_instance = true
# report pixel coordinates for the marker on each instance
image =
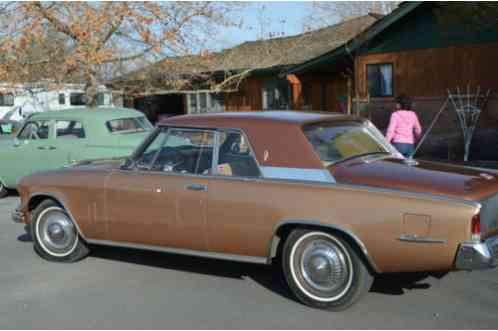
(404, 128)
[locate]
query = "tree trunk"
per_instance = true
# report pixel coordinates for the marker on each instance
(91, 90)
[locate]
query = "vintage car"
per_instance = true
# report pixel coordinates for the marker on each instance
(322, 195)
(50, 140)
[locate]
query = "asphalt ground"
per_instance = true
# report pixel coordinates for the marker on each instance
(123, 289)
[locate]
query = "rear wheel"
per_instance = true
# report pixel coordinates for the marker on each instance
(55, 235)
(323, 270)
(3, 191)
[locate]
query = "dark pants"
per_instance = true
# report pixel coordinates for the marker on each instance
(405, 149)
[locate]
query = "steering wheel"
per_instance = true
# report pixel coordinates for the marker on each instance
(169, 159)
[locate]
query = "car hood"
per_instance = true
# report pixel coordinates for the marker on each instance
(423, 177)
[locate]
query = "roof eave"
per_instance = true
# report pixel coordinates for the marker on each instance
(356, 42)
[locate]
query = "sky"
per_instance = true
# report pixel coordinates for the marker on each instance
(262, 18)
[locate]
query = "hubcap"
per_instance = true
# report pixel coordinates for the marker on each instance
(324, 266)
(56, 232)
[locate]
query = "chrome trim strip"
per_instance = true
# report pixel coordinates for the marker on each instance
(329, 226)
(182, 251)
(55, 197)
(417, 239)
(312, 175)
(336, 185)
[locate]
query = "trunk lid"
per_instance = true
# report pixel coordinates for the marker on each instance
(427, 177)
(424, 177)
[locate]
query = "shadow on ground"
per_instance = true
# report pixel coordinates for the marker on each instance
(266, 276)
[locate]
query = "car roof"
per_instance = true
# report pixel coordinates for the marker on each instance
(103, 113)
(278, 116)
(276, 137)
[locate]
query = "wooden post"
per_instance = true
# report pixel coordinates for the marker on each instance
(350, 98)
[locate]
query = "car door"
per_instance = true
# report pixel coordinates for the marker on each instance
(70, 140)
(240, 214)
(28, 152)
(160, 197)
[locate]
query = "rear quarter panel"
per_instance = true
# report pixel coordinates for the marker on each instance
(243, 215)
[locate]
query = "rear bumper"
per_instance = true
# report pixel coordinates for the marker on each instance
(476, 256)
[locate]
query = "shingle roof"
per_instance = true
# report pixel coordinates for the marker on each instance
(262, 54)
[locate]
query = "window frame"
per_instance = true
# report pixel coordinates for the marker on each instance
(216, 157)
(69, 120)
(214, 163)
(50, 135)
(379, 64)
(3, 98)
(62, 97)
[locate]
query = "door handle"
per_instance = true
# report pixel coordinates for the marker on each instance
(52, 147)
(196, 187)
(41, 147)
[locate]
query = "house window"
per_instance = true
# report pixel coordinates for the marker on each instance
(204, 102)
(217, 102)
(6, 99)
(276, 95)
(103, 99)
(380, 79)
(62, 99)
(192, 100)
(77, 99)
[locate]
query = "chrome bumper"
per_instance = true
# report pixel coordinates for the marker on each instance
(475, 256)
(17, 216)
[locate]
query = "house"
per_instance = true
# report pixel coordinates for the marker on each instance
(418, 50)
(249, 77)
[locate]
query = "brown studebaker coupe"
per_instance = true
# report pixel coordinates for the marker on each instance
(323, 194)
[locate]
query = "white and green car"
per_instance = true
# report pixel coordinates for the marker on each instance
(51, 140)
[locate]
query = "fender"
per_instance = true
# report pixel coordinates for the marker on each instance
(322, 225)
(59, 200)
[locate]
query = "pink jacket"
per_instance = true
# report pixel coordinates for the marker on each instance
(404, 127)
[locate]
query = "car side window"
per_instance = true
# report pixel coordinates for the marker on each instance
(69, 130)
(34, 130)
(235, 157)
(187, 151)
(145, 160)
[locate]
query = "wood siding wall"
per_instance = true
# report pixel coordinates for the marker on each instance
(249, 97)
(430, 72)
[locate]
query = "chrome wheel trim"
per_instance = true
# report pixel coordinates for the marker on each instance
(338, 264)
(55, 232)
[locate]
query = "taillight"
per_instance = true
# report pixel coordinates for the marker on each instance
(476, 227)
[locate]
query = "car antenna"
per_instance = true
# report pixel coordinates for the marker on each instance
(410, 160)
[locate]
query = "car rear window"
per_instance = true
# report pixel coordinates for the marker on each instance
(130, 124)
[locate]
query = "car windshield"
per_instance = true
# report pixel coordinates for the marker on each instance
(130, 124)
(338, 141)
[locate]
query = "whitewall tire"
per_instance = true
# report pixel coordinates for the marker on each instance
(323, 270)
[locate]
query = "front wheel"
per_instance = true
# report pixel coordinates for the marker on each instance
(55, 235)
(323, 270)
